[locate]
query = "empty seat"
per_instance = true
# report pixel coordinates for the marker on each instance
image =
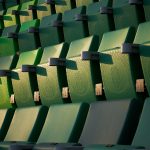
(28, 38)
(84, 2)
(51, 76)
(6, 116)
(26, 125)
(11, 18)
(99, 20)
(9, 3)
(50, 30)
(72, 122)
(6, 64)
(142, 134)
(102, 129)
(122, 10)
(142, 38)
(120, 65)
(8, 41)
(27, 11)
(83, 73)
(24, 78)
(75, 24)
(45, 8)
(63, 5)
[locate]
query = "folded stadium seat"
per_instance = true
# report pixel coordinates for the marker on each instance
(75, 24)
(83, 72)
(84, 2)
(51, 30)
(8, 3)
(58, 129)
(26, 125)
(51, 76)
(63, 5)
(11, 17)
(142, 38)
(8, 41)
(122, 10)
(120, 65)
(24, 79)
(100, 18)
(6, 116)
(6, 64)
(45, 8)
(27, 11)
(107, 123)
(28, 36)
(146, 5)
(141, 137)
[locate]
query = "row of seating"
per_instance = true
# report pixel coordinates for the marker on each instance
(77, 123)
(75, 73)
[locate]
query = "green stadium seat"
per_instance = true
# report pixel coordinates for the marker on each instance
(9, 3)
(8, 41)
(6, 116)
(120, 65)
(50, 30)
(75, 24)
(141, 137)
(26, 125)
(83, 73)
(63, 5)
(146, 5)
(28, 38)
(28, 11)
(100, 128)
(84, 2)
(72, 122)
(6, 64)
(11, 18)
(51, 76)
(99, 20)
(24, 78)
(142, 38)
(45, 8)
(122, 10)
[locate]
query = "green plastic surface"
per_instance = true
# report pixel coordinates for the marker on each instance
(74, 30)
(51, 79)
(79, 72)
(99, 23)
(84, 2)
(26, 124)
(122, 11)
(9, 19)
(119, 71)
(146, 5)
(142, 37)
(63, 5)
(28, 41)
(50, 35)
(64, 129)
(24, 96)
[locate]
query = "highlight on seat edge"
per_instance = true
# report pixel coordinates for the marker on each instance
(74, 74)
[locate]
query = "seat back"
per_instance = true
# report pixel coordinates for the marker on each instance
(25, 80)
(52, 77)
(27, 124)
(146, 5)
(111, 122)
(80, 71)
(72, 122)
(120, 68)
